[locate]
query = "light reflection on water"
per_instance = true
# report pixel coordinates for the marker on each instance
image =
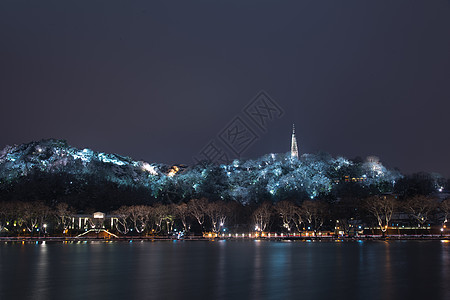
(226, 270)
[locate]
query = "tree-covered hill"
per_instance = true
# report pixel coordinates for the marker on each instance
(52, 171)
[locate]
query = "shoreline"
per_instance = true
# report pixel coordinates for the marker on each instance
(199, 238)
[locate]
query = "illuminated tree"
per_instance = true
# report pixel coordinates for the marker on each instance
(33, 214)
(298, 218)
(182, 213)
(170, 217)
(314, 212)
(64, 215)
(9, 215)
(420, 208)
(122, 214)
(197, 208)
(261, 216)
(287, 212)
(217, 213)
(382, 208)
(162, 214)
(138, 215)
(445, 208)
(3, 215)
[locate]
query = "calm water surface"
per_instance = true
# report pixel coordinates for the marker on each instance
(226, 270)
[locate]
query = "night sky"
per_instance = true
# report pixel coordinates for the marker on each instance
(158, 81)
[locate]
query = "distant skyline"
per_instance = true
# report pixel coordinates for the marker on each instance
(158, 81)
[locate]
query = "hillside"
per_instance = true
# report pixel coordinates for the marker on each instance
(52, 171)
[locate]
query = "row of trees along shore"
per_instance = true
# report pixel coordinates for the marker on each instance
(200, 215)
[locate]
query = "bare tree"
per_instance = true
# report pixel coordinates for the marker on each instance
(217, 213)
(314, 213)
(197, 208)
(169, 219)
(298, 218)
(14, 215)
(122, 214)
(8, 214)
(63, 215)
(182, 213)
(287, 212)
(261, 216)
(138, 215)
(44, 214)
(34, 214)
(3, 214)
(159, 213)
(445, 208)
(382, 208)
(420, 208)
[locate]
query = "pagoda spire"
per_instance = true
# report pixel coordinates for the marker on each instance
(294, 147)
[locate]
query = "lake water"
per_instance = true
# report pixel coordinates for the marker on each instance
(226, 270)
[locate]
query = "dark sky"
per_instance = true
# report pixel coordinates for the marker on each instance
(157, 81)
